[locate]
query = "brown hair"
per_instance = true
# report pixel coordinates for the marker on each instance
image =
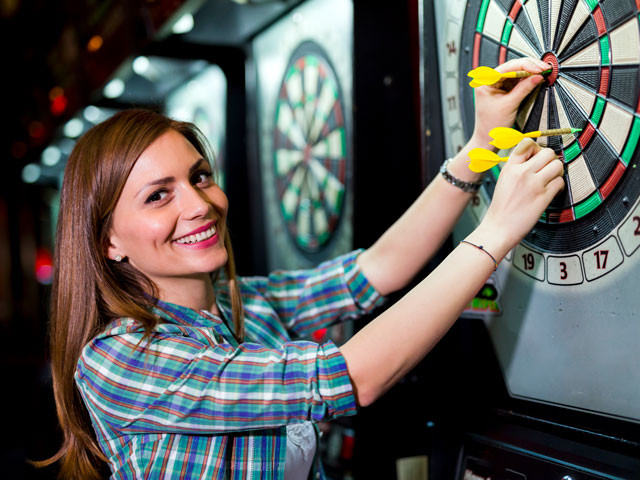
(90, 290)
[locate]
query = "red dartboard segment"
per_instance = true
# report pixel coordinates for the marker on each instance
(503, 54)
(600, 23)
(515, 9)
(604, 81)
(586, 135)
(613, 180)
(562, 217)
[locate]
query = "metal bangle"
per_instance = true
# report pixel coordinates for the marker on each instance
(469, 187)
(480, 247)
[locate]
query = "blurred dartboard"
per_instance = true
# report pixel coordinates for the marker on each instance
(310, 148)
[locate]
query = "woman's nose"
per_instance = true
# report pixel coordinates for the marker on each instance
(194, 203)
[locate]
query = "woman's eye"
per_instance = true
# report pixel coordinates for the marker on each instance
(156, 196)
(202, 177)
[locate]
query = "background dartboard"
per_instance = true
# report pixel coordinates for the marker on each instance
(310, 148)
(594, 48)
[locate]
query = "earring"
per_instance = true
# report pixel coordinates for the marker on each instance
(118, 258)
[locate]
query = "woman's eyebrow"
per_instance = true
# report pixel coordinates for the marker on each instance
(196, 165)
(165, 180)
(159, 181)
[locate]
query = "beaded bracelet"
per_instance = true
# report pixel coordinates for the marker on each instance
(469, 187)
(480, 247)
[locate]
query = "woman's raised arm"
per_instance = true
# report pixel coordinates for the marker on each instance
(416, 236)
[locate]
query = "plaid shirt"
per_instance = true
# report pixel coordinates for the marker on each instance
(193, 403)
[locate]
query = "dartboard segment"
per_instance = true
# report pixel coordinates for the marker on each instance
(594, 48)
(310, 148)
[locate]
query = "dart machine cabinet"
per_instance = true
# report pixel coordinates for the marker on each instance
(540, 378)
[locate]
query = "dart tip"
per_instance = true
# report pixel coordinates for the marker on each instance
(546, 72)
(576, 130)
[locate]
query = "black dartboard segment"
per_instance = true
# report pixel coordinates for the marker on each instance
(310, 148)
(595, 50)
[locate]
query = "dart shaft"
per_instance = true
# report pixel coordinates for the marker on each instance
(557, 131)
(523, 74)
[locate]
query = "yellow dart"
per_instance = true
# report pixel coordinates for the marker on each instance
(504, 137)
(482, 160)
(489, 76)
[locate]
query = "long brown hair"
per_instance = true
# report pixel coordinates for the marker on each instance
(89, 290)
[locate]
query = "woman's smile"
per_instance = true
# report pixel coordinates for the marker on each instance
(202, 237)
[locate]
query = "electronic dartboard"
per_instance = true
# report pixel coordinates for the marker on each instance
(304, 82)
(562, 310)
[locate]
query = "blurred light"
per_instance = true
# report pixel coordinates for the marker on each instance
(73, 128)
(92, 114)
(51, 155)
(183, 25)
(114, 88)
(30, 173)
(319, 334)
(59, 105)
(36, 129)
(43, 266)
(141, 65)
(66, 145)
(95, 43)
(18, 149)
(55, 92)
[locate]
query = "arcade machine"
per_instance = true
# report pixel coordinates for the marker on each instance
(559, 318)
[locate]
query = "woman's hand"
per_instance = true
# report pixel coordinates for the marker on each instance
(497, 105)
(527, 184)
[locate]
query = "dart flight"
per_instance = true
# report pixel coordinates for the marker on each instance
(482, 159)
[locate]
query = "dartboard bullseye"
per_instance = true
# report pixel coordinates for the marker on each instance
(310, 148)
(594, 50)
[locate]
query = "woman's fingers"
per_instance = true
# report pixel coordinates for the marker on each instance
(526, 149)
(531, 65)
(550, 171)
(553, 188)
(542, 158)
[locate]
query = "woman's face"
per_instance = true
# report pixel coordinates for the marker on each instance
(170, 219)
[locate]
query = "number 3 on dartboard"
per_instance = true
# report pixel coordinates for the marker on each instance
(563, 271)
(601, 258)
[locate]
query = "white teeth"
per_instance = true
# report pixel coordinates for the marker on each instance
(198, 237)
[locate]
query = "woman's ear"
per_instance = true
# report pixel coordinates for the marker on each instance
(112, 251)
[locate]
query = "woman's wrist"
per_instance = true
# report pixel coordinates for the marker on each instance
(494, 239)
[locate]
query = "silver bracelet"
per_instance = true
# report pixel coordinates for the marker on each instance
(469, 187)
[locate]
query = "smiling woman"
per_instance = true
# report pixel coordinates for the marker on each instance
(170, 221)
(168, 366)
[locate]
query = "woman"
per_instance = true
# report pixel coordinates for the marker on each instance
(166, 373)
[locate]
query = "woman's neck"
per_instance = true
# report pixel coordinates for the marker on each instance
(195, 293)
